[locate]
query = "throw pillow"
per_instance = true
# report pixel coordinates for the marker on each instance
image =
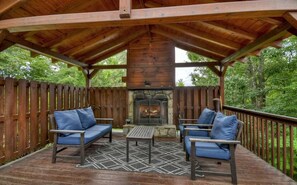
(67, 120)
(86, 117)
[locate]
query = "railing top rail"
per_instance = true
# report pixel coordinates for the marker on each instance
(269, 116)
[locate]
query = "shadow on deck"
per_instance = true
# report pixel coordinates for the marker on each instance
(38, 169)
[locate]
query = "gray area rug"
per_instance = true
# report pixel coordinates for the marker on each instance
(167, 157)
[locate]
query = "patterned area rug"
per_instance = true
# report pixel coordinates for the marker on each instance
(167, 157)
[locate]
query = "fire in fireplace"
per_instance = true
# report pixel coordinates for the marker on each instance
(150, 109)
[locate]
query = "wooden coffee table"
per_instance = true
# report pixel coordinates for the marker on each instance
(141, 133)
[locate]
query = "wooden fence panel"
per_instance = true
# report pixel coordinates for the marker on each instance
(190, 101)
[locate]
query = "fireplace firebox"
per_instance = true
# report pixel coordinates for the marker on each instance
(150, 109)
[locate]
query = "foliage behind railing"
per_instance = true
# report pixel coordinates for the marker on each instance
(270, 137)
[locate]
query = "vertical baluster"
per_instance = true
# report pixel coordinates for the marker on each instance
(284, 149)
(291, 151)
(278, 144)
(272, 143)
(262, 139)
(267, 140)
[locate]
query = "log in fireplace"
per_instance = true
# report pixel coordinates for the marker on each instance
(150, 108)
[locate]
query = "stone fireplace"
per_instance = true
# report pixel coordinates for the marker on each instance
(151, 107)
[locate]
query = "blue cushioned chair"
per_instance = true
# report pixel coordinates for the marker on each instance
(204, 121)
(220, 146)
(77, 128)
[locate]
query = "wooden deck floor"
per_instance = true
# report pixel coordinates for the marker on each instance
(38, 169)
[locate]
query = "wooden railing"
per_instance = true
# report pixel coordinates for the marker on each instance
(24, 109)
(270, 137)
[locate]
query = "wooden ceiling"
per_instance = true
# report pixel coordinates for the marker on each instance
(83, 33)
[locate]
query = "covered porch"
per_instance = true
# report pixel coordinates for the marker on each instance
(82, 34)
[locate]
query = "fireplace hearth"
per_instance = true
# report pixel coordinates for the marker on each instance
(150, 108)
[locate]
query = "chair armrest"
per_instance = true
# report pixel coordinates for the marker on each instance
(197, 129)
(199, 125)
(68, 131)
(104, 119)
(183, 119)
(214, 141)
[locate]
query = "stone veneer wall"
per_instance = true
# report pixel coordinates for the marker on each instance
(168, 93)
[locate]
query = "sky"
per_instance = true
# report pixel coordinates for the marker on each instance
(183, 72)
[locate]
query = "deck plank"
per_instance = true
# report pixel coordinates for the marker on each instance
(38, 169)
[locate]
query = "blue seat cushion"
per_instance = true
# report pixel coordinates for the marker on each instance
(105, 128)
(206, 116)
(224, 127)
(193, 133)
(74, 139)
(67, 120)
(208, 150)
(86, 117)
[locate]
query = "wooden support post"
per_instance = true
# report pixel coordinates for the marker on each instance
(3, 34)
(125, 8)
(222, 84)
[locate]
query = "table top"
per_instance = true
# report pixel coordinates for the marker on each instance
(141, 132)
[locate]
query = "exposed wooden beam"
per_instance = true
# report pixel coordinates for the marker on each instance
(3, 34)
(204, 36)
(227, 28)
(215, 70)
(8, 5)
(89, 57)
(187, 47)
(125, 8)
(43, 51)
(93, 73)
(190, 41)
(293, 31)
(124, 66)
(173, 14)
(258, 43)
(291, 17)
(5, 44)
(197, 64)
(107, 55)
(95, 42)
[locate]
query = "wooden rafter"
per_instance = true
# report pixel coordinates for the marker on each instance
(95, 41)
(8, 5)
(187, 47)
(89, 57)
(189, 41)
(258, 43)
(174, 14)
(188, 31)
(124, 66)
(43, 51)
(125, 8)
(226, 28)
(291, 17)
(107, 55)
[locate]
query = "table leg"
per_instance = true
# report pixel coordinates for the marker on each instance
(127, 152)
(153, 140)
(150, 148)
(136, 143)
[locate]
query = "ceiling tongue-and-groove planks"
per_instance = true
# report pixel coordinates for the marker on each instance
(91, 31)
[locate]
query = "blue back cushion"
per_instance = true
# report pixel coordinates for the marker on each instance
(224, 127)
(67, 120)
(86, 117)
(206, 116)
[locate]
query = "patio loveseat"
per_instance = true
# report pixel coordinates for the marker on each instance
(77, 128)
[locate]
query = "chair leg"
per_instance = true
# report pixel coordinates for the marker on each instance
(233, 165)
(187, 156)
(180, 136)
(82, 150)
(110, 136)
(193, 160)
(54, 149)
